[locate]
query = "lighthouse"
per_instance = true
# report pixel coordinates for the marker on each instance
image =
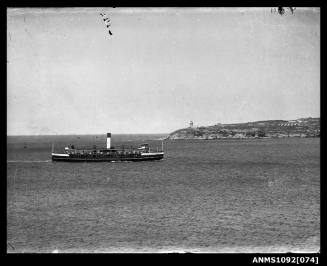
(191, 124)
(108, 140)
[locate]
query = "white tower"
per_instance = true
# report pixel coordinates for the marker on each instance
(108, 140)
(191, 123)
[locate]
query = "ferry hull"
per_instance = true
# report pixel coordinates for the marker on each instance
(148, 157)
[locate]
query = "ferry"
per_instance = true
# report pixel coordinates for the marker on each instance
(108, 154)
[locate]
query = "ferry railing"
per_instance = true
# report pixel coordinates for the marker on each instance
(91, 150)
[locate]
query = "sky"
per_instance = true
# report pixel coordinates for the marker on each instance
(161, 68)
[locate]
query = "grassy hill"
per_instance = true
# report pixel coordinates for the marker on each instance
(302, 127)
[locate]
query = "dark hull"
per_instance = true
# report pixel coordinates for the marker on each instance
(107, 159)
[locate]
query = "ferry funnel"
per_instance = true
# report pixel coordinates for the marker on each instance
(108, 140)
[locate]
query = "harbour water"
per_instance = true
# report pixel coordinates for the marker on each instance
(259, 195)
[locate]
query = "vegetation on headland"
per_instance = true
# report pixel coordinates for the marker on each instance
(303, 127)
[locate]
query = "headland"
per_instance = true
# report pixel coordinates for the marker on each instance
(302, 127)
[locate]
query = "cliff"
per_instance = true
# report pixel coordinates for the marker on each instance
(303, 127)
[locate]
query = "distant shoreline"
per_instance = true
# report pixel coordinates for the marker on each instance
(245, 138)
(299, 128)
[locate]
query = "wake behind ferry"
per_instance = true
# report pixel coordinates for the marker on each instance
(108, 154)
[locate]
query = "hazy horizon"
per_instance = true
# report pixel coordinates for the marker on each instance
(72, 134)
(161, 68)
(131, 133)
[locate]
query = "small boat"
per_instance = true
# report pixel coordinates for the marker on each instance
(108, 154)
